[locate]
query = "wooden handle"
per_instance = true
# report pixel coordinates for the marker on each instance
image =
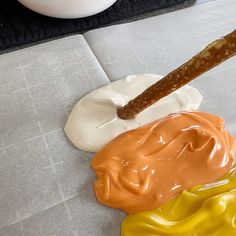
(214, 54)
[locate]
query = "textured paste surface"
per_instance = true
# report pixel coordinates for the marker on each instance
(205, 210)
(144, 168)
(94, 122)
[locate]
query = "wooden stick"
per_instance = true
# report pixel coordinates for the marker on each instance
(214, 54)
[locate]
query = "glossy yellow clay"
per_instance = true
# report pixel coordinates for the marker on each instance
(207, 210)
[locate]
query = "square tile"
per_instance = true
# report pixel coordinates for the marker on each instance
(104, 221)
(52, 221)
(31, 187)
(39, 168)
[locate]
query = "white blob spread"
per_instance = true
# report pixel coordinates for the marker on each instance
(93, 122)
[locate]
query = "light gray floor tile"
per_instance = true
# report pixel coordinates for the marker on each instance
(161, 43)
(53, 221)
(46, 183)
(39, 168)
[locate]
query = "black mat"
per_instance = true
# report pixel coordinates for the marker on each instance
(20, 26)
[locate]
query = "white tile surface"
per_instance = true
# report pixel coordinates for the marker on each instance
(203, 1)
(40, 170)
(161, 43)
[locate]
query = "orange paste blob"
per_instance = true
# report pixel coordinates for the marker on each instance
(144, 168)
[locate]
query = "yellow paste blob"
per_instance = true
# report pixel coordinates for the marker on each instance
(207, 210)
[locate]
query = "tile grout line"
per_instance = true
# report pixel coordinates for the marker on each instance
(45, 134)
(136, 55)
(4, 148)
(22, 89)
(42, 135)
(99, 63)
(45, 209)
(53, 168)
(27, 87)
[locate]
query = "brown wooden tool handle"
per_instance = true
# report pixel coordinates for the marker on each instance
(214, 54)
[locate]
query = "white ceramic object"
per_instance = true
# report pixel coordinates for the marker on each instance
(68, 8)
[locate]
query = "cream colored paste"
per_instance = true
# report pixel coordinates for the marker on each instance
(93, 122)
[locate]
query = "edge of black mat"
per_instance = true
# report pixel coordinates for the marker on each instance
(20, 27)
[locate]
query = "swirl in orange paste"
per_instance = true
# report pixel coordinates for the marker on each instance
(144, 168)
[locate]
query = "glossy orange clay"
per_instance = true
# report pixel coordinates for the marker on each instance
(144, 168)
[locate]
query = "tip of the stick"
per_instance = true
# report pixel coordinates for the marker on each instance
(124, 115)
